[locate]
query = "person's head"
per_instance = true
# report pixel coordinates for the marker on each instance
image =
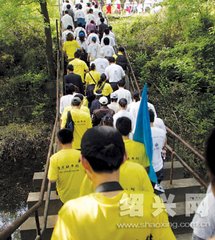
(69, 37)
(210, 156)
(94, 39)
(77, 54)
(103, 101)
(79, 95)
(123, 125)
(113, 97)
(65, 136)
(121, 83)
(121, 49)
(92, 22)
(102, 150)
(100, 14)
(70, 89)
(136, 96)
(70, 68)
(102, 20)
(123, 103)
(110, 28)
(107, 120)
(106, 41)
(88, 5)
(76, 101)
(92, 67)
(102, 79)
(90, 11)
(66, 12)
(111, 60)
(96, 6)
(79, 6)
(107, 31)
(69, 27)
(68, 6)
(151, 115)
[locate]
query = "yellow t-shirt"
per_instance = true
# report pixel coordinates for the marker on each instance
(70, 47)
(125, 216)
(95, 75)
(79, 67)
(132, 176)
(136, 152)
(106, 91)
(66, 169)
(82, 122)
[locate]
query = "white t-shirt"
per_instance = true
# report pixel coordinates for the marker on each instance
(65, 101)
(77, 30)
(158, 139)
(91, 35)
(64, 34)
(151, 106)
(79, 14)
(64, 6)
(112, 41)
(159, 123)
(203, 223)
(82, 44)
(114, 106)
(101, 64)
(90, 17)
(107, 51)
(123, 93)
(93, 50)
(122, 113)
(114, 73)
(67, 20)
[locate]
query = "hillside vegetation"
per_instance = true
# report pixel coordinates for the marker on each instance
(173, 51)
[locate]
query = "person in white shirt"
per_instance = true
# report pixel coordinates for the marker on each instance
(122, 112)
(107, 35)
(114, 73)
(91, 35)
(114, 104)
(93, 50)
(122, 92)
(159, 142)
(79, 16)
(64, 6)
(203, 223)
(90, 16)
(66, 21)
(78, 29)
(101, 63)
(111, 33)
(66, 100)
(64, 33)
(107, 50)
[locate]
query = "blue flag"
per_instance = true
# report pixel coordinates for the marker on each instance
(143, 133)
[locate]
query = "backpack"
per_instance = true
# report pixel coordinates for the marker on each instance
(69, 122)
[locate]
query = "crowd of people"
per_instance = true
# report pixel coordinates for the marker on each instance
(101, 173)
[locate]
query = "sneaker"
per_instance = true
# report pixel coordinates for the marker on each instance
(159, 188)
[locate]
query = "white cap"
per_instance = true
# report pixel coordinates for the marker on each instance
(103, 100)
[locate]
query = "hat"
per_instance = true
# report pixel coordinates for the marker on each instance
(103, 143)
(76, 100)
(113, 95)
(94, 39)
(81, 34)
(103, 100)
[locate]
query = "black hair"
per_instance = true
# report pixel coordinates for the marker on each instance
(209, 156)
(107, 31)
(136, 96)
(102, 19)
(70, 67)
(90, 10)
(123, 102)
(121, 49)
(68, 6)
(69, 27)
(110, 28)
(77, 54)
(92, 66)
(123, 125)
(80, 6)
(80, 96)
(69, 37)
(103, 78)
(66, 12)
(106, 41)
(70, 89)
(121, 83)
(111, 60)
(151, 115)
(103, 148)
(107, 120)
(65, 136)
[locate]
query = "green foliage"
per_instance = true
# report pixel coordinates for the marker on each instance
(173, 51)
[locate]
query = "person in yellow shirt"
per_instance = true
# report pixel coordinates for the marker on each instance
(110, 212)
(103, 87)
(81, 119)
(80, 67)
(70, 46)
(135, 150)
(65, 167)
(91, 79)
